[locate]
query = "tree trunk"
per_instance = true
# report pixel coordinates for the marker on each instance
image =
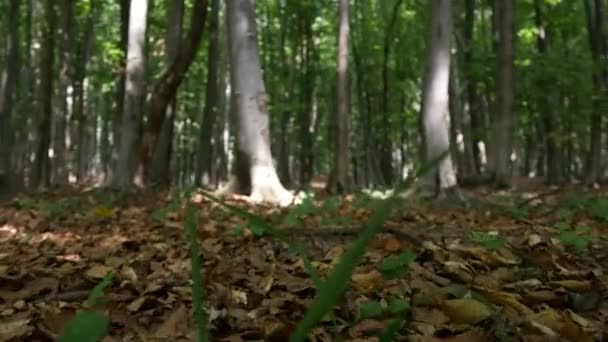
(125, 8)
(339, 180)
(41, 171)
(166, 87)
(21, 162)
(134, 91)
(505, 118)
(306, 122)
(8, 78)
(598, 41)
(60, 148)
(554, 174)
(473, 128)
(386, 146)
(212, 94)
(435, 98)
(161, 156)
(81, 95)
(254, 170)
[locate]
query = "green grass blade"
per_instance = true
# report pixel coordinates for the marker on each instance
(338, 279)
(198, 288)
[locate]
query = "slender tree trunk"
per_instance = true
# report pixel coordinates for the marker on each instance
(212, 94)
(545, 102)
(473, 129)
(435, 97)
(254, 169)
(340, 181)
(22, 127)
(166, 87)
(306, 123)
(598, 41)
(134, 90)
(81, 94)
(61, 167)
(161, 158)
(8, 78)
(386, 148)
(125, 8)
(41, 171)
(505, 118)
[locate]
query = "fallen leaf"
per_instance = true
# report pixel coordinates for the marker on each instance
(466, 310)
(367, 282)
(175, 326)
(15, 328)
(98, 271)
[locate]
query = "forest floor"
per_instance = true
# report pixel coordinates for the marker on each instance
(528, 265)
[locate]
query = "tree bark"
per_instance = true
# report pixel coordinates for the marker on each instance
(339, 181)
(61, 167)
(125, 7)
(598, 42)
(161, 156)
(81, 95)
(554, 174)
(505, 118)
(386, 146)
(165, 88)
(254, 169)
(210, 112)
(473, 128)
(41, 171)
(8, 78)
(132, 105)
(435, 98)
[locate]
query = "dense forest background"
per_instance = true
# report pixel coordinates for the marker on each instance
(359, 93)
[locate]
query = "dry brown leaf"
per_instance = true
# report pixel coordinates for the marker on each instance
(429, 315)
(174, 326)
(15, 328)
(511, 300)
(367, 282)
(33, 289)
(98, 271)
(466, 310)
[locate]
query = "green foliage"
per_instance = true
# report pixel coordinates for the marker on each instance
(489, 241)
(396, 308)
(86, 326)
(579, 237)
(89, 325)
(371, 309)
(98, 291)
(517, 211)
(198, 288)
(397, 265)
(599, 209)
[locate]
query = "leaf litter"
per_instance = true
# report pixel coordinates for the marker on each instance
(484, 272)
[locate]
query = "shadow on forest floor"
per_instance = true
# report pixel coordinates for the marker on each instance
(511, 265)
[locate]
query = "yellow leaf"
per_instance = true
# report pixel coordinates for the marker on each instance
(98, 271)
(466, 310)
(103, 211)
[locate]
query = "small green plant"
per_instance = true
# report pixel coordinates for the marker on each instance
(397, 265)
(89, 325)
(579, 237)
(599, 209)
(517, 211)
(396, 309)
(489, 241)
